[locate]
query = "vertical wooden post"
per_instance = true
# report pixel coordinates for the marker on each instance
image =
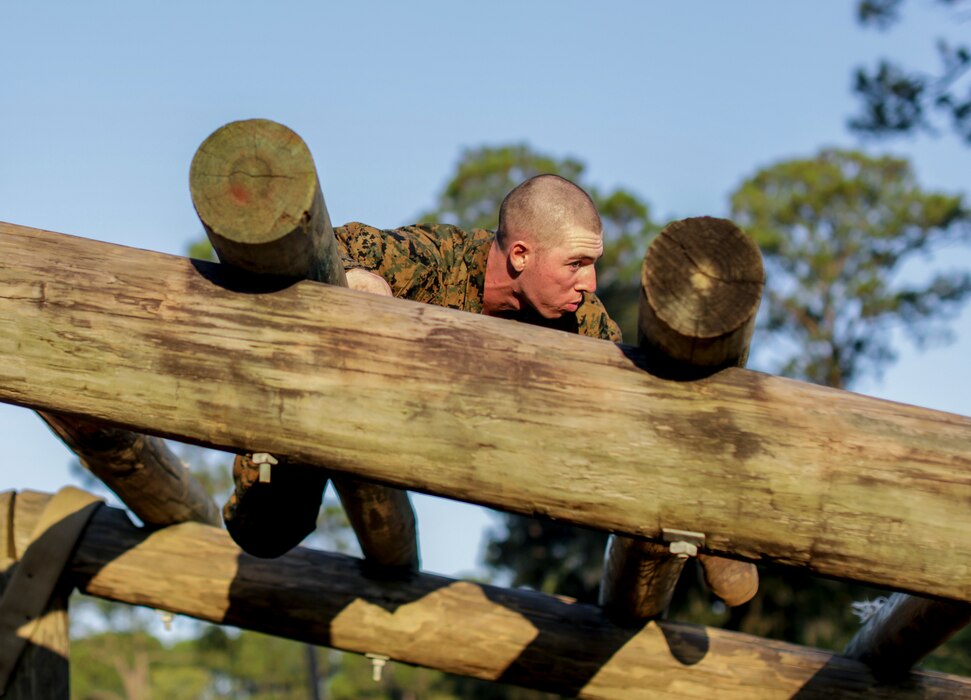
(42, 668)
(702, 283)
(255, 188)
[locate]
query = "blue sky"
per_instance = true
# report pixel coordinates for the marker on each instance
(102, 105)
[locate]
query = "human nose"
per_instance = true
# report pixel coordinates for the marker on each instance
(587, 279)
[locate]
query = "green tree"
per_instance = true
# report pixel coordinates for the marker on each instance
(899, 100)
(836, 232)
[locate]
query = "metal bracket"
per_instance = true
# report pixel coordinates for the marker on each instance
(266, 462)
(683, 543)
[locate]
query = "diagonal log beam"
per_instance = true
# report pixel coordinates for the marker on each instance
(479, 409)
(903, 631)
(516, 637)
(142, 470)
(255, 188)
(701, 285)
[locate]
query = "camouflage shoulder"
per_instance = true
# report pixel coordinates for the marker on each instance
(594, 321)
(355, 241)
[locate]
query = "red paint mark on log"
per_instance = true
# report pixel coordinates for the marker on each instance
(240, 193)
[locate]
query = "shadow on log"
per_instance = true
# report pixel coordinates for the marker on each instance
(517, 637)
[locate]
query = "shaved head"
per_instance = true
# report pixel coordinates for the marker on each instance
(542, 208)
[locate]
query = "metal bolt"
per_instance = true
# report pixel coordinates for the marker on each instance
(266, 462)
(167, 619)
(683, 550)
(378, 662)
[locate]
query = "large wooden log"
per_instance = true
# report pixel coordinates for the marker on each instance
(701, 285)
(904, 630)
(479, 409)
(141, 469)
(516, 637)
(255, 187)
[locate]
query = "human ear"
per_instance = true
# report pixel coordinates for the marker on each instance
(519, 254)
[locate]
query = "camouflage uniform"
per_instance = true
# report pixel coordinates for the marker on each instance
(445, 266)
(435, 264)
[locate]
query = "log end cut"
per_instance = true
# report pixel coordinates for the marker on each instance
(702, 282)
(254, 186)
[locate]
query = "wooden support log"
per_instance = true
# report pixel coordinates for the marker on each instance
(43, 667)
(701, 285)
(141, 469)
(518, 637)
(903, 631)
(255, 188)
(639, 578)
(479, 409)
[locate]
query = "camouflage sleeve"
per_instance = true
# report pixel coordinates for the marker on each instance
(407, 258)
(593, 320)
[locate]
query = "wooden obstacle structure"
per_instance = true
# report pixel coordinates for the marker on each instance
(650, 443)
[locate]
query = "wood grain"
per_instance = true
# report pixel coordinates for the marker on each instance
(479, 409)
(518, 637)
(639, 578)
(905, 630)
(255, 188)
(141, 469)
(701, 285)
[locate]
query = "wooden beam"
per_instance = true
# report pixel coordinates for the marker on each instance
(141, 469)
(701, 285)
(255, 187)
(480, 409)
(518, 637)
(903, 631)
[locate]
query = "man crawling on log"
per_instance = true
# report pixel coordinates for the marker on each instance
(538, 268)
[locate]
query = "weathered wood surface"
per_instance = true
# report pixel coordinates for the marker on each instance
(701, 285)
(43, 669)
(905, 630)
(639, 578)
(141, 469)
(517, 637)
(483, 410)
(255, 188)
